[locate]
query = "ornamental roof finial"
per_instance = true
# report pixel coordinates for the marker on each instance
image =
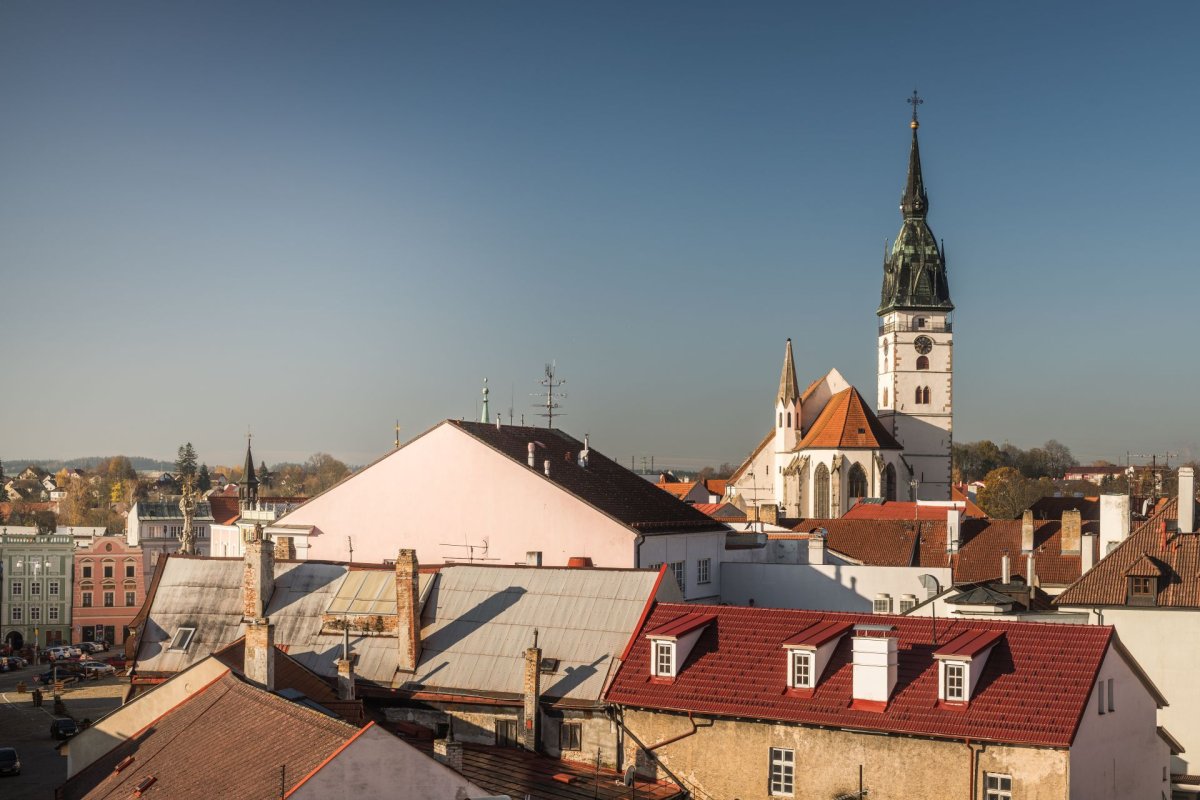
(915, 101)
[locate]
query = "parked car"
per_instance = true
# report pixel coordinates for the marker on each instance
(10, 762)
(60, 673)
(63, 728)
(97, 668)
(100, 646)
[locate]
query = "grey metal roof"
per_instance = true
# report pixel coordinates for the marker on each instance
(476, 622)
(168, 509)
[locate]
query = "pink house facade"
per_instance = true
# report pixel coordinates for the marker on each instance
(477, 492)
(108, 590)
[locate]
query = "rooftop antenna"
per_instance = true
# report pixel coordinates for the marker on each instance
(512, 397)
(397, 434)
(550, 381)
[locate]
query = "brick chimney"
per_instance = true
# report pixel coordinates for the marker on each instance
(1027, 531)
(1072, 532)
(345, 670)
(768, 514)
(876, 657)
(259, 661)
(258, 576)
(285, 548)
(448, 751)
(530, 714)
(408, 611)
(1187, 500)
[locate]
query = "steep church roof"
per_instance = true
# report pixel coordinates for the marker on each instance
(914, 273)
(847, 422)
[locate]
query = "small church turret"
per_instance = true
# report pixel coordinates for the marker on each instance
(916, 338)
(248, 485)
(788, 414)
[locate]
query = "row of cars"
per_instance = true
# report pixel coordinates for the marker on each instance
(60, 728)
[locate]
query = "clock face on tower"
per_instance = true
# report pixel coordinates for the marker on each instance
(923, 344)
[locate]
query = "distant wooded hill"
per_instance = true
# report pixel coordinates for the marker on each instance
(142, 464)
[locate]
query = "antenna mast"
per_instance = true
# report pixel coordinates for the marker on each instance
(548, 402)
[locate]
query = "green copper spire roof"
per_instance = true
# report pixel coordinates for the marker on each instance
(788, 389)
(914, 272)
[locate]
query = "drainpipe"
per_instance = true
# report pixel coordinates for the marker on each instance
(971, 765)
(683, 735)
(637, 551)
(618, 717)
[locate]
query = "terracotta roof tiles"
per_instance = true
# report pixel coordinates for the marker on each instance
(846, 422)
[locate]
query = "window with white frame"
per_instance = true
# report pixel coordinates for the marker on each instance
(664, 658)
(52, 588)
(704, 570)
(18, 588)
(955, 683)
(182, 638)
(35, 613)
(52, 614)
(997, 787)
(882, 604)
(907, 603)
(802, 669)
(677, 569)
(783, 772)
(35, 588)
(86, 600)
(16, 614)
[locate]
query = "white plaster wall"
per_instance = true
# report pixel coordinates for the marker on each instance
(689, 548)
(825, 587)
(446, 489)
(378, 764)
(1119, 754)
(227, 541)
(1165, 643)
(756, 485)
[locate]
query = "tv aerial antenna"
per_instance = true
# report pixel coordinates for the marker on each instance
(548, 399)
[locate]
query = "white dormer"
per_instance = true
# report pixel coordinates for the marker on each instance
(809, 651)
(672, 642)
(961, 662)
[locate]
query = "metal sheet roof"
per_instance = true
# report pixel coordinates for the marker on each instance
(476, 621)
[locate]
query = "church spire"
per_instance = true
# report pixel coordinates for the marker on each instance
(483, 416)
(248, 485)
(914, 273)
(788, 389)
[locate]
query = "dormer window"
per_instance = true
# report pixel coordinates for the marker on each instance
(1142, 590)
(954, 681)
(809, 651)
(802, 669)
(664, 659)
(961, 662)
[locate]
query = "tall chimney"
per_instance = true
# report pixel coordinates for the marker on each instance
(1005, 569)
(1031, 577)
(1027, 531)
(1072, 530)
(285, 548)
(816, 546)
(875, 665)
(258, 576)
(1087, 555)
(345, 669)
(1114, 521)
(953, 529)
(531, 457)
(530, 712)
(1187, 500)
(408, 611)
(546, 467)
(259, 661)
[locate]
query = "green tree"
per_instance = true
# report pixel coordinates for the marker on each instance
(265, 479)
(204, 480)
(1007, 492)
(185, 462)
(322, 471)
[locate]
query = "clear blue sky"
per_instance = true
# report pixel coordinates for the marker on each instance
(313, 218)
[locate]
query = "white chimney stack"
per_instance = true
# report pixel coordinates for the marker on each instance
(1187, 500)
(876, 654)
(1030, 571)
(1087, 553)
(816, 546)
(546, 467)
(1005, 569)
(953, 529)
(1114, 521)
(532, 457)
(1027, 531)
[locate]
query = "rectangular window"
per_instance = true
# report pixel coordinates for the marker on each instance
(506, 732)
(677, 568)
(87, 570)
(35, 588)
(704, 570)
(16, 614)
(802, 669)
(783, 771)
(664, 658)
(108, 570)
(129, 571)
(52, 588)
(882, 604)
(35, 613)
(1112, 706)
(130, 599)
(1100, 696)
(17, 588)
(998, 787)
(85, 633)
(109, 599)
(182, 638)
(86, 600)
(109, 632)
(907, 603)
(570, 736)
(52, 613)
(955, 681)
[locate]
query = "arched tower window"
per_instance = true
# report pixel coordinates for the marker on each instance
(781, 419)
(917, 395)
(858, 481)
(889, 482)
(821, 492)
(922, 362)
(789, 419)
(925, 395)
(885, 397)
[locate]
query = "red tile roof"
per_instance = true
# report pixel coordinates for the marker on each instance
(679, 490)
(1176, 555)
(882, 543)
(847, 422)
(1032, 691)
(1144, 567)
(896, 509)
(818, 634)
(970, 643)
(226, 509)
(726, 512)
(680, 626)
(716, 486)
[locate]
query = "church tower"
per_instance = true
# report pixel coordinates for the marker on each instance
(787, 420)
(248, 485)
(916, 364)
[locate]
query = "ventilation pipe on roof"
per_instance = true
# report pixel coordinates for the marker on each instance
(585, 452)
(1027, 531)
(546, 467)
(1187, 500)
(531, 458)
(1087, 552)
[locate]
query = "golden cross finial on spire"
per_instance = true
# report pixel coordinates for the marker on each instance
(915, 101)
